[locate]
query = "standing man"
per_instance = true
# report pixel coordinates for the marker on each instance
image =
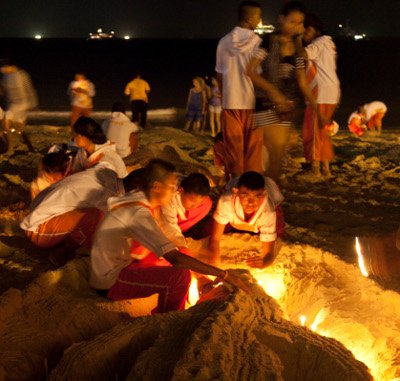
(137, 90)
(81, 92)
(243, 144)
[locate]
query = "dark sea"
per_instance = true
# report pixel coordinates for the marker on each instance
(368, 70)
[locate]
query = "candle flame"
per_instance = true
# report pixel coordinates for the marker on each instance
(193, 292)
(361, 262)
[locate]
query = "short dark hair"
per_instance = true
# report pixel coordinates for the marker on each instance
(135, 180)
(251, 180)
(144, 178)
(315, 22)
(118, 107)
(196, 183)
(89, 128)
(245, 7)
(293, 6)
(55, 162)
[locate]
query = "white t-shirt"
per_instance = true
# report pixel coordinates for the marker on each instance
(322, 52)
(234, 52)
(170, 215)
(81, 99)
(102, 153)
(373, 108)
(118, 129)
(229, 210)
(111, 251)
(86, 189)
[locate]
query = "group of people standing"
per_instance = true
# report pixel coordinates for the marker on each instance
(204, 99)
(81, 91)
(263, 80)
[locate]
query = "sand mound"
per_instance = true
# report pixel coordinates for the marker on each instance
(244, 338)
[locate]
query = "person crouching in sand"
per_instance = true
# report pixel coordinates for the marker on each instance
(64, 216)
(247, 208)
(116, 272)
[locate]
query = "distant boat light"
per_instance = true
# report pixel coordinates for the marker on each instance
(38, 37)
(127, 37)
(358, 37)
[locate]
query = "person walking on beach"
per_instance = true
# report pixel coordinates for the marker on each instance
(234, 51)
(320, 52)
(138, 90)
(130, 233)
(81, 92)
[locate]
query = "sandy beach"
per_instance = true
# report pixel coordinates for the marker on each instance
(312, 315)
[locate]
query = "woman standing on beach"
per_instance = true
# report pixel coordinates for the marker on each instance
(283, 75)
(214, 107)
(196, 105)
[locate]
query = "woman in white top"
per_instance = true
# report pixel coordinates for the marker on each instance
(94, 147)
(324, 83)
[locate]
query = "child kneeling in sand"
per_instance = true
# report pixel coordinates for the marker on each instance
(250, 207)
(118, 273)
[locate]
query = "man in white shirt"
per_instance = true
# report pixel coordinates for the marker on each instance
(116, 270)
(65, 215)
(121, 131)
(243, 144)
(247, 207)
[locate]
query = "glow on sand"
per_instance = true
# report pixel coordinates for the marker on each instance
(325, 322)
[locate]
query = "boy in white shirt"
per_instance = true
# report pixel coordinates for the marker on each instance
(117, 272)
(248, 207)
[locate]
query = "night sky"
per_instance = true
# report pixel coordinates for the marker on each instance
(179, 18)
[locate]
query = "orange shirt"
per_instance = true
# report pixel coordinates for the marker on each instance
(137, 90)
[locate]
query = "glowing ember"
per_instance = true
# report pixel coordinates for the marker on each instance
(193, 292)
(272, 283)
(303, 320)
(361, 263)
(319, 318)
